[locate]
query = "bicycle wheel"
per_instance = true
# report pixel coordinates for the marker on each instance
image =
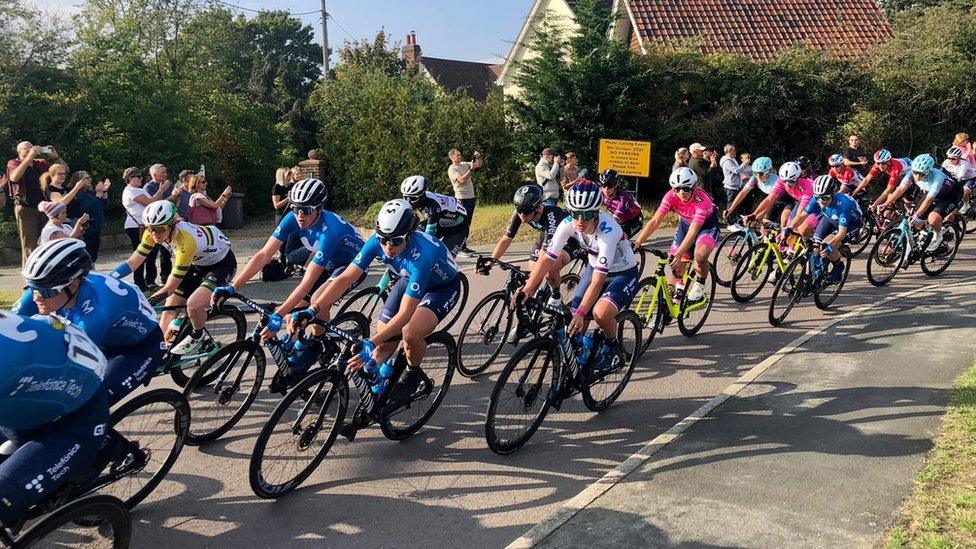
(367, 301)
(153, 427)
(751, 273)
(886, 256)
(641, 257)
(455, 313)
(108, 515)
(221, 391)
(641, 305)
(567, 286)
(970, 216)
(440, 360)
(224, 326)
(788, 290)
(483, 334)
(935, 263)
(727, 256)
(825, 293)
(521, 397)
(298, 434)
(606, 386)
(694, 315)
(859, 242)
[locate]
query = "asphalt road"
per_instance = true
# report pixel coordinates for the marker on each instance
(443, 487)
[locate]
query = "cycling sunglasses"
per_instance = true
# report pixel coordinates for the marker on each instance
(392, 240)
(684, 189)
(588, 215)
(824, 197)
(44, 293)
(304, 210)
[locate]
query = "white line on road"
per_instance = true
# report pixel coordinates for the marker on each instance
(589, 494)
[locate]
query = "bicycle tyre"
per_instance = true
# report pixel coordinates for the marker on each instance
(179, 376)
(791, 285)
(367, 301)
(486, 332)
(691, 328)
(892, 237)
(742, 272)
(389, 424)
(568, 285)
(455, 313)
(629, 360)
(951, 238)
(825, 300)
(731, 247)
(540, 346)
(226, 358)
(338, 392)
(860, 243)
(98, 509)
(643, 298)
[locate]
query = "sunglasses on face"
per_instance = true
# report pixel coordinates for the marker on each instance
(392, 240)
(158, 229)
(589, 215)
(44, 293)
(825, 198)
(304, 210)
(918, 174)
(525, 213)
(683, 190)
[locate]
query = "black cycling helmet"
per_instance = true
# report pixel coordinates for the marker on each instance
(56, 263)
(608, 178)
(527, 198)
(804, 162)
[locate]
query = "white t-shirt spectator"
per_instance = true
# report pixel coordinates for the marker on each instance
(51, 229)
(464, 190)
(133, 209)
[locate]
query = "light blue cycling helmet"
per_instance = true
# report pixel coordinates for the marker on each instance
(762, 164)
(883, 156)
(923, 164)
(836, 160)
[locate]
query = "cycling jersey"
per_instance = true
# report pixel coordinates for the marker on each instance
(698, 209)
(49, 369)
(112, 312)
(845, 174)
(334, 241)
(199, 245)
(801, 191)
(425, 262)
(960, 171)
(896, 167)
(607, 249)
(440, 211)
(933, 185)
(766, 187)
(547, 224)
(622, 207)
(843, 210)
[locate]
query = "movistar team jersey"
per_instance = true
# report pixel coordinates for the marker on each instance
(933, 184)
(843, 210)
(201, 245)
(49, 369)
(425, 261)
(331, 237)
(607, 249)
(112, 312)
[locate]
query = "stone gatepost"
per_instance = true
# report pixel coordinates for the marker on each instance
(313, 167)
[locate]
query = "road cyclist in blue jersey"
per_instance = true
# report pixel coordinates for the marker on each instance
(114, 314)
(839, 217)
(942, 196)
(424, 295)
(333, 242)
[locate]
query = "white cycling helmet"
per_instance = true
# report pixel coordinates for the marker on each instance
(395, 218)
(789, 171)
(836, 160)
(308, 192)
(954, 152)
(414, 186)
(56, 263)
(825, 185)
(683, 177)
(162, 212)
(583, 197)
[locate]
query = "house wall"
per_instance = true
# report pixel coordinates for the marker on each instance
(556, 12)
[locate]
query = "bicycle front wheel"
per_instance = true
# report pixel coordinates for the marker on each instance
(108, 515)
(299, 434)
(483, 334)
(367, 301)
(440, 360)
(694, 314)
(886, 257)
(727, 256)
(605, 386)
(825, 293)
(521, 397)
(790, 287)
(224, 326)
(751, 273)
(859, 242)
(645, 307)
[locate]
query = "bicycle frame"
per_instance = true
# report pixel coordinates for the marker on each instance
(772, 249)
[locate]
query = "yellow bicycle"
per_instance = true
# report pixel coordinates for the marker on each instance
(655, 306)
(763, 258)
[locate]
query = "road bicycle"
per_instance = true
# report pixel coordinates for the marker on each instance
(553, 367)
(901, 245)
(807, 274)
(656, 307)
(90, 521)
(369, 300)
(224, 325)
(223, 389)
(762, 260)
(490, 323)
(303, 427)
(730, 250)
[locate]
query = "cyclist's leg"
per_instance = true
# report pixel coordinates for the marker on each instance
(45, 462)
(679, 237)
(217, 275)
(187, 285)
(618, 292)
(453, 238)
(434, 307)
(130, 366)
(390, 308)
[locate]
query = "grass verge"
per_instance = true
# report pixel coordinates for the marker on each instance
(941, 511)
(8, 297)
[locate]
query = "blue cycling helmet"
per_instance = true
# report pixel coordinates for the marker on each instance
(923, 164)
(762, 164)
(836, 160)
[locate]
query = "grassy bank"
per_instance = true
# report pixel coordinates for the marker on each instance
(8, 297)
(941, 511)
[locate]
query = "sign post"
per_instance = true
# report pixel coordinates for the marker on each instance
(629, 158)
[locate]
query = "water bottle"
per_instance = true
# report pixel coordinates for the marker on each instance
(277, 351)
(174, 327)
(384, 373)
(586, 345)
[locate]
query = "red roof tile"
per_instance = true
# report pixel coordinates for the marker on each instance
(845, 29)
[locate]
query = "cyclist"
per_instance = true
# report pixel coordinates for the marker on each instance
(959, 169)
(941, 195)
(445, 217)
(763, 177)
(114, 314)
(423, 297)
(608, 283)
(839, 215)
(844, 174)
(697, 229)
(884, 164)
(54, 410)
(202, 260)
(806, 167)
(799, 191)
(620, 203)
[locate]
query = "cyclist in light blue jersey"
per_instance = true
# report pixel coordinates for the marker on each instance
(113, 313)
(941, 195)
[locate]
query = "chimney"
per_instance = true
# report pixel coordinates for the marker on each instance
(411, 51)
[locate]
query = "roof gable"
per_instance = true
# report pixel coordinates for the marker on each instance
(475, 79)
(759, 29)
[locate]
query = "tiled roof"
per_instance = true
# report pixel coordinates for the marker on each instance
(476, 79)
(760, 28)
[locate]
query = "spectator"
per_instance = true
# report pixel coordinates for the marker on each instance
(968, 149)
(91, 200)
(547, 173)
(24, 175)
(571, 171)
(699, 164)
(54, 183)
(746, 160)
(681, 158)
(158, 180)
(460, 175)
(713, 176)
(279, 193)
(296, 174)
(181, 194)
(134, 200)
(57, 227)
(204, 211)
(854, 156)
(732, 177)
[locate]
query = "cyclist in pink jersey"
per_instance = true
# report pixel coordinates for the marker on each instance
(698, 228)
(800, 193)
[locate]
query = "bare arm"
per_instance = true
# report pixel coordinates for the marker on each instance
(502, 247)
(648, 229)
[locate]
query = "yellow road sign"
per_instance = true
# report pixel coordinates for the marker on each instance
(630, 158)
